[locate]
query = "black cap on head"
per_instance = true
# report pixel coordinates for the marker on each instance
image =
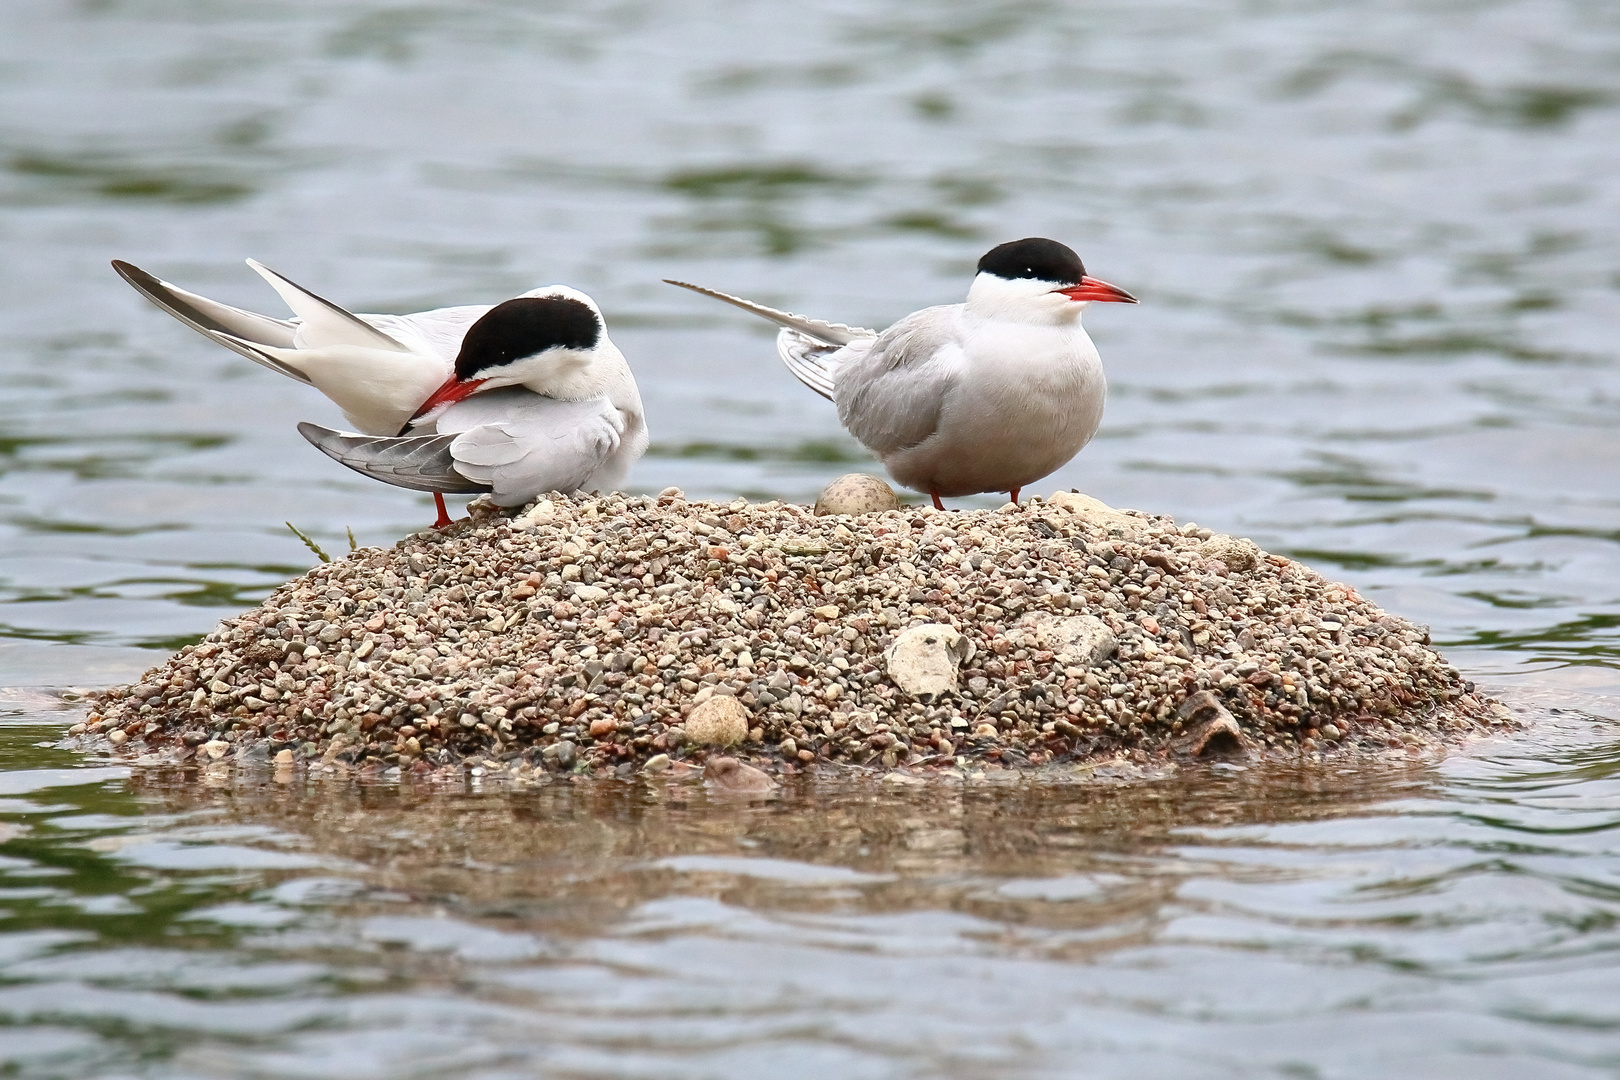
(523, 327)
(1035, 258)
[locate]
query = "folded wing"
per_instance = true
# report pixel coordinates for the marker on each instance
(511, 442)
(522, 445)
(892, 396)
(418, 462)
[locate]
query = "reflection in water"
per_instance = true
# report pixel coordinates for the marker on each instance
(1365, 920)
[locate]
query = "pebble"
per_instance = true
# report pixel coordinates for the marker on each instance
(596, 634)
(717, 721)
(730, 775)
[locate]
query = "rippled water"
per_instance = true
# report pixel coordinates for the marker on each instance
(1376, 244)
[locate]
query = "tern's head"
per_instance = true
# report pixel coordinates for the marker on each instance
(547, 340)
(1039, 281)
(530, 338)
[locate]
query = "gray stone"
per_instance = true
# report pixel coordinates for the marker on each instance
(1075, 640)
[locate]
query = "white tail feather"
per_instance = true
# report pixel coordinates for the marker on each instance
(323, 322)
(828, 333)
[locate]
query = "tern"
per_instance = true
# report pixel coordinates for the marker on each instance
(515, 399)
(987, 395)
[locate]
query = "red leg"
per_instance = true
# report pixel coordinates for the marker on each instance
(1014, 493)
(937, 504)
(444, 515)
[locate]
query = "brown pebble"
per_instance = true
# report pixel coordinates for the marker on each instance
(720, 721)
(730, 775)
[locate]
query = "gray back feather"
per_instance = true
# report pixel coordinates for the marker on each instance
(890, 396)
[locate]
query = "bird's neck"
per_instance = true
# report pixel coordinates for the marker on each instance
(1031, 303)
(565, 374)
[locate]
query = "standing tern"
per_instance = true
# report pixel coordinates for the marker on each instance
(515, 399)
(987, 395)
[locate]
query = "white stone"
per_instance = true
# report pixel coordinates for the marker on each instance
(1080, 641)
(590, 594)
(543, 512)
(1236, 552)
(1095, 510)
(923, 660)
(214, 749)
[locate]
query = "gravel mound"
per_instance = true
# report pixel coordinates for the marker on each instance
(593, 634)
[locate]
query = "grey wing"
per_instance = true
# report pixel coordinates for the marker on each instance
(890, 397)
(522, 444)
(236, 329)
(418, 462)
(816, 364)
(808, 360)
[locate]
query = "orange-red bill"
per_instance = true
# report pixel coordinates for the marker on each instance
(451, 392)
(1091, 288)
